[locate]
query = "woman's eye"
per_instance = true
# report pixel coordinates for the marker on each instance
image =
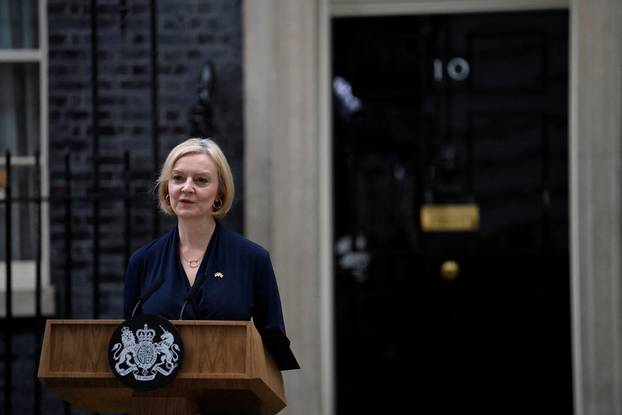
(177, 178)
(202, 181)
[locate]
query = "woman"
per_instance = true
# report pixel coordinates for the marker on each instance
(234, 276)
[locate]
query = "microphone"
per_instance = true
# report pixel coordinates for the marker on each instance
(148, 293)
(191, 292)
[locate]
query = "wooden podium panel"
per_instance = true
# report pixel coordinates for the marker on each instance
(225, 369)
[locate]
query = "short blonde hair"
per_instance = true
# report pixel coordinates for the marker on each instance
(207, 146)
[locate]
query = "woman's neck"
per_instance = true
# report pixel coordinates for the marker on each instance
(195, 234)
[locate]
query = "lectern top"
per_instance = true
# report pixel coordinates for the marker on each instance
(224, 358)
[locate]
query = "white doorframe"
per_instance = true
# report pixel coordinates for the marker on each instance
(343, 8)
(288, 178)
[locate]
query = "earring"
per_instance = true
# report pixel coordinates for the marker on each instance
(217, 204)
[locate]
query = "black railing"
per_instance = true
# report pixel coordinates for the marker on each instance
(129, 203)
(8, 335)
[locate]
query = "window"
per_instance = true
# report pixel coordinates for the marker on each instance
(23, 132)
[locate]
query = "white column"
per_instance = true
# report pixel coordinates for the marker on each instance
(596, 184)
(287, 180)
(282, 179)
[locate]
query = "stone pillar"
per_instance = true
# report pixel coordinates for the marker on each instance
(282, 182)
(285, 196)
(596, 184)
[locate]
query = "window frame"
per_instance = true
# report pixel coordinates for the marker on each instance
(23, 271)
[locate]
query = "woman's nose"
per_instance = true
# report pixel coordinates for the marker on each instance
(187, 186)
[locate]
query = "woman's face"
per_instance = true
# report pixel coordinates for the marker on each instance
(193, 186)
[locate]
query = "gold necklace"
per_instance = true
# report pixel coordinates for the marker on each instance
(192, 263)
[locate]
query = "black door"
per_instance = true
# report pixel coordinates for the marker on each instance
(463, 111)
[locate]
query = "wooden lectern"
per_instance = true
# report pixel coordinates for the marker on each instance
(226, 370)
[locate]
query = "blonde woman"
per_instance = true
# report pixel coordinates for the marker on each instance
(234, 277)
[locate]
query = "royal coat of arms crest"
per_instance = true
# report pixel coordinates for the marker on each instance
(147, 356)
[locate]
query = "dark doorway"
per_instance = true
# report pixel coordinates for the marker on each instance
(462, 111)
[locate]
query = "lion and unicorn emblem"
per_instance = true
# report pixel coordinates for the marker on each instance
(145, 359)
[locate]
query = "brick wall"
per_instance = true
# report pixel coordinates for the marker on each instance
(191, 34)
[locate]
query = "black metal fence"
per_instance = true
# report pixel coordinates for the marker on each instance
(76, 193)
(123, 191)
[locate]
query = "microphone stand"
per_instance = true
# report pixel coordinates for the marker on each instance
(141, 300)
(191, 293)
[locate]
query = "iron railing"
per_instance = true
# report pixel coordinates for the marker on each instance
(84, 204)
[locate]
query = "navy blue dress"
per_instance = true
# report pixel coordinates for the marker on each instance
(247, 288)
